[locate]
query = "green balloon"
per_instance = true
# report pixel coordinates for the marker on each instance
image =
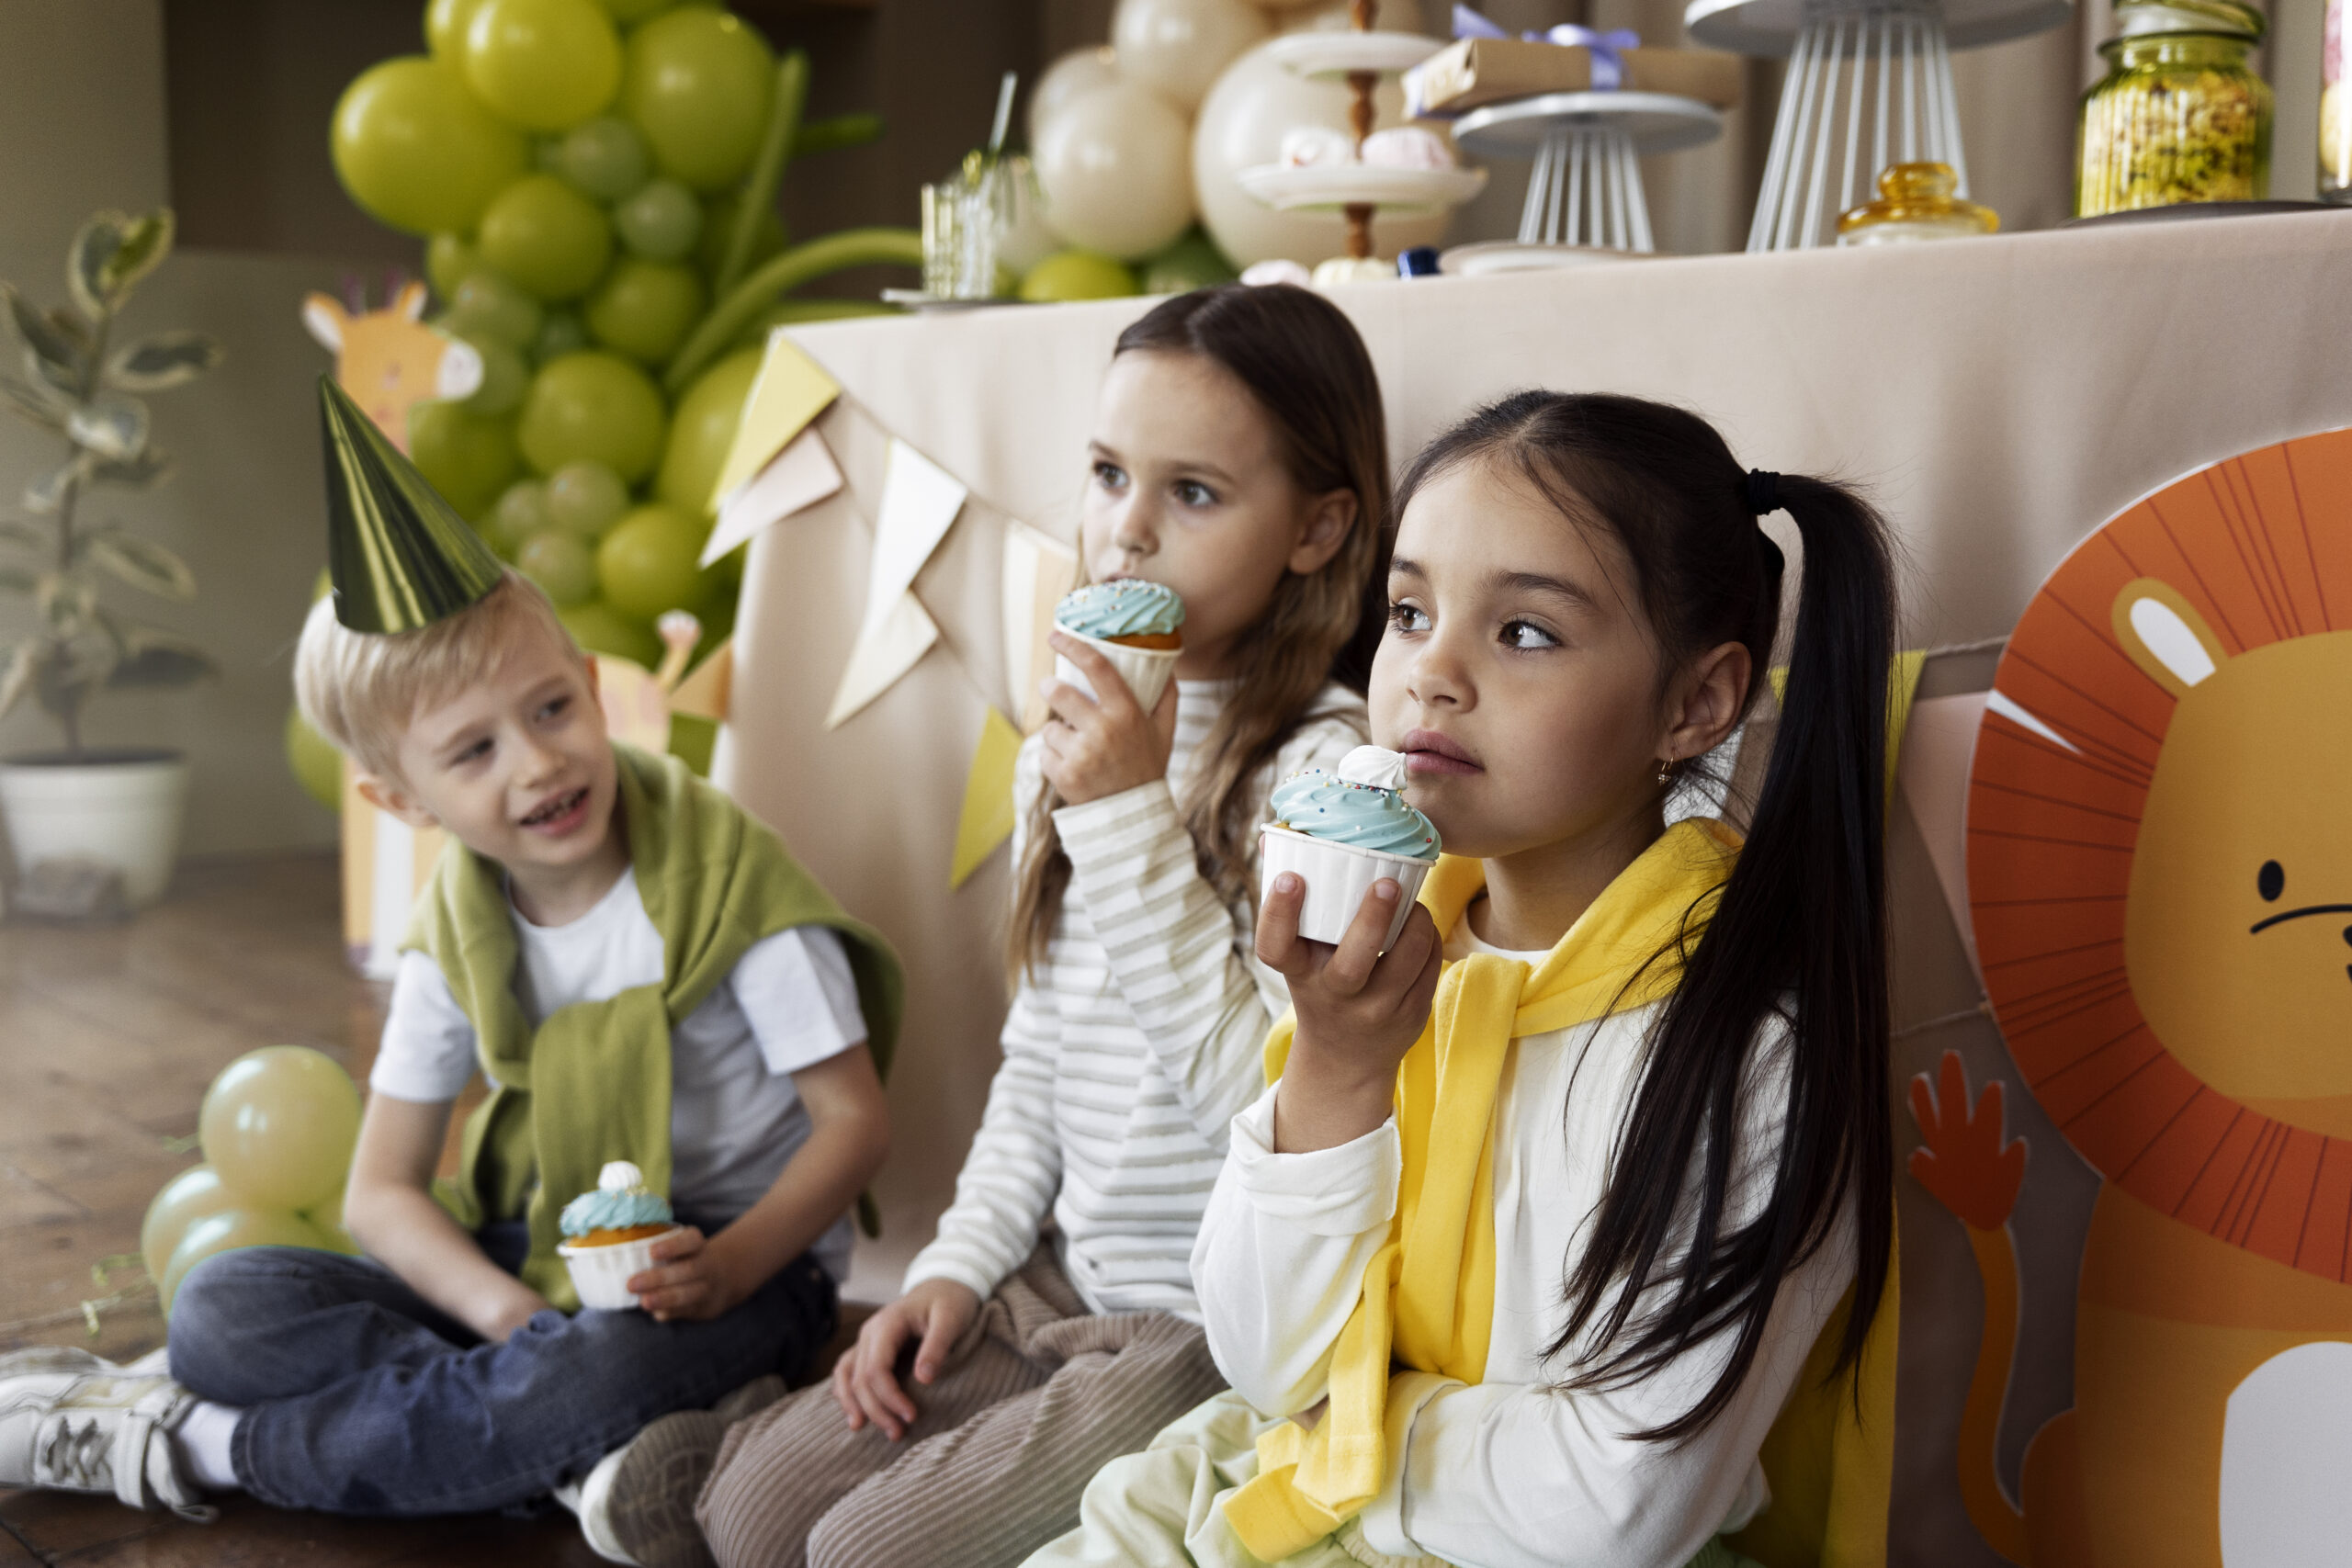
(485, 306)
(231, 1229)
(414, 149)
(586, 498)
(503, 377)
(594, 406)
(719, 224)
(697, 81)
(644, 309)
(317, 765)
(542, 64)
(279, 1125)
(448, 260)
(562, 333)
(703, 429)
(604, 158)
(559, 563)
(1193, 262)
(546, 236)
(445, 28)
(186, 1198)
(598, 628)
(647, 564)
(465, 456)
(660, 222)
(522, 511)
(1077, 275)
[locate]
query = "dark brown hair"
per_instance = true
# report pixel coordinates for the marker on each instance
(1800, 930)
(1301, 360)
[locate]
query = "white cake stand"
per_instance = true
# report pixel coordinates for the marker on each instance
(1358, 190)
(1869, 84)
(1586, 188)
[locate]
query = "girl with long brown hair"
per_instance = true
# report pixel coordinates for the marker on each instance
(1236, 457)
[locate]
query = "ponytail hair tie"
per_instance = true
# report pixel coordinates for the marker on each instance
(1763, 491)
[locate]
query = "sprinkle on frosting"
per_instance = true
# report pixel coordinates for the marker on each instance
(1357, 805)
(621, 1200)
(1125, 607)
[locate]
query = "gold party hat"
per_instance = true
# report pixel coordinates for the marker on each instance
(400, 556)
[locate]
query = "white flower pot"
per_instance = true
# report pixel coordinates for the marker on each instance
(120, 808)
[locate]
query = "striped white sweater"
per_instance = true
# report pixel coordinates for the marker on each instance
(1131, 1046)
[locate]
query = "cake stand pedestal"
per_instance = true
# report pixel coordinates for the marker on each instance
(1585, 191)
(1869, 84)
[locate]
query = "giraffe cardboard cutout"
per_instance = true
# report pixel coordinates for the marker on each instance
(388, 360)
(2160, 871)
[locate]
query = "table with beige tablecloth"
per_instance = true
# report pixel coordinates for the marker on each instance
(1999, 398)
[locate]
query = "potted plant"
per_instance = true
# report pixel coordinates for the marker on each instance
(118, 809)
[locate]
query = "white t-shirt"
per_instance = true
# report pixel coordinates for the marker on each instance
(790, 1003)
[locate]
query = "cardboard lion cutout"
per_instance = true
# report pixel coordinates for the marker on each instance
(2160, 873)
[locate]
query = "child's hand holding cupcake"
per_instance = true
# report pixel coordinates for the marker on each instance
(1113, 702)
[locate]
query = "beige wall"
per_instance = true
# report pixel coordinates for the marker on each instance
(81, 126)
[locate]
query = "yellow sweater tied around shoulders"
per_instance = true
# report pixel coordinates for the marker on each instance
(1428, 1303)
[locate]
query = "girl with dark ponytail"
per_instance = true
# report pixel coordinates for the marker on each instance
(1532, 1234)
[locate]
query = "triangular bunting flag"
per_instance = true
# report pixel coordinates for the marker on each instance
(791, 390)
(920, 501)
(987, 818)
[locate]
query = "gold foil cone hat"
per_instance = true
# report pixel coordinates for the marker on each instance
(400, 556)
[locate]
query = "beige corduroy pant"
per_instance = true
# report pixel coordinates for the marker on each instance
(1037, 1395)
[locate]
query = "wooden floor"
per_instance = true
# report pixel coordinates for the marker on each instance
(107, 1039)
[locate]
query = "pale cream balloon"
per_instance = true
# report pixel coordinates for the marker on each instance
(1078, 72)
(1177, 48)
(1242, 124)
(1115, 172)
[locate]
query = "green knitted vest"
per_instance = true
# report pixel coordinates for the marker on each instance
(592, 1083)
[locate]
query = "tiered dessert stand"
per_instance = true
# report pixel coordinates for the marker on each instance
(1358, 190)
(1584, 196)
(1869, 84)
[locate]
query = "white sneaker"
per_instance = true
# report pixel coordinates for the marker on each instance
(71, 1422)
(637, 1505)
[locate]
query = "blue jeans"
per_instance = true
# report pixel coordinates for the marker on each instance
(361, 1397)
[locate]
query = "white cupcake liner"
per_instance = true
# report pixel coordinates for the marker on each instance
(1145, 670)
(601, 1274)
(1339, 877)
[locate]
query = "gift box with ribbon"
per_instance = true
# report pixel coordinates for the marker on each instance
(1485, 65)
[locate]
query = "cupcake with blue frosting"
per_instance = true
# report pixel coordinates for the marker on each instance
(1342, 831)
(608, 1235)
(1138, 625)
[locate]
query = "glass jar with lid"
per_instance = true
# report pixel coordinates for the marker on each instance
(2180, 115)
(1915, 201)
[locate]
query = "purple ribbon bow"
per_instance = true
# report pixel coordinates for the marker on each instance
(1607, 63)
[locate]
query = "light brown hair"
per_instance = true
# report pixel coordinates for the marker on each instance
(361, 690)
(1301, 360)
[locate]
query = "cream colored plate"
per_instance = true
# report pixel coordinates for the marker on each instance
(1351, 185)
(1491, 256)
(1337, 54)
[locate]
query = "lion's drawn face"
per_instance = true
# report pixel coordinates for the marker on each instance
(2238, 923)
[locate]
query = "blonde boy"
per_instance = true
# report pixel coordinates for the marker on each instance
(609, 939)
